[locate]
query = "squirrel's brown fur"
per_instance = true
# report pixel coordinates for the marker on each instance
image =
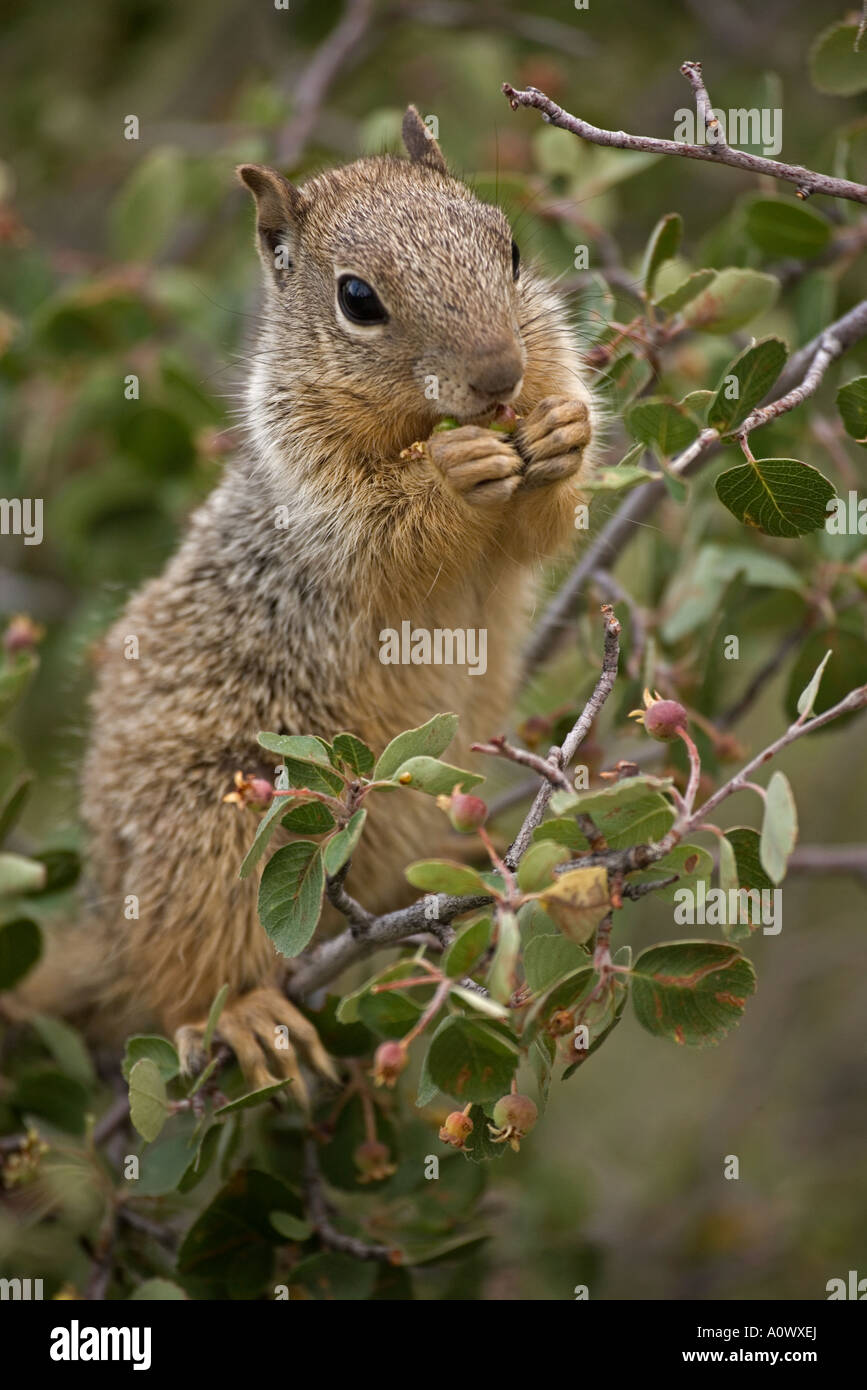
(257, 625)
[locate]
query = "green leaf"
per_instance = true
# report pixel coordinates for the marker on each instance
(728, 866)
(14, 678)
(149, 206)
(155, 1049)
(480, 1147)
(563, 831)
(627, 812)
(66, 1047)
(698, 402)
(734, 296)
(662, 425)
(503, 976)
(536, 869)
(779, 497)
(781, 227)
(466, 949)
(290, 895)
(392, 1013)
(663, 246)
(548, 959)
(807, 697)
(429, 741)
(154, 1290)
(355, 754)
(779, 827)
(624, 475)
(306, 760)
(482, 1003)
(264, 830)
(148, 1103)
(254, 1098)
(837, 67)
(54, 1096)
(20, 949)
(694, 596)
(20, 875)
(686, 291)
(14, 804)
(228, 1252)
(595, 308)
(733, 928)
(624, 380)
(444, 876)
(291, 1226)
(310, 818)
(214, 1017)
(328, 1277)
(754, 371)
(342, 845)
(470, 1060)
(601, 1018)
(689, 862)
(745, 844)
(852, 405)
(691, 991)
(433, 777)
(847, 670)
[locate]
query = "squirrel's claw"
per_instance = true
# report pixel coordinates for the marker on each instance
(552, 439)
(261, 1028)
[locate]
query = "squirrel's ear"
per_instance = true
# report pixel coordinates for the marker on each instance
(421, 146)
(279, 207)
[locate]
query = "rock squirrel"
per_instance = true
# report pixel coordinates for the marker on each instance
(393, 298)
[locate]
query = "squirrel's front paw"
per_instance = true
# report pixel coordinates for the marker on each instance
(552, 440)
(262, 1029)
(479, 464)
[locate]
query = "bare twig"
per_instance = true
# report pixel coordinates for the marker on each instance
(320, 1215)
(546, 768)
(717, 152)
(332, 55)
(830, 859)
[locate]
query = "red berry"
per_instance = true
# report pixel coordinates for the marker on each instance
(389, 1061)
(664, 719)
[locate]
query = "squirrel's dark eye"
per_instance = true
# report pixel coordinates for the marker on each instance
(516, 261)
(358, 301)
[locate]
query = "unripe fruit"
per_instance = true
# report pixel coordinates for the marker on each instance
(664, 719)
(389, 1061)
(372, 1160)
(22, 634)
(456, 1129)
(516, 1112)
(514, 1117)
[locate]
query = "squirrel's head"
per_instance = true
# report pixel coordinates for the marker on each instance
(392, 287)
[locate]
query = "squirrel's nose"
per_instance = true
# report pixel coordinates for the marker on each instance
(498, 371)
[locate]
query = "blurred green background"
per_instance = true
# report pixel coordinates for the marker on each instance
(123, 257)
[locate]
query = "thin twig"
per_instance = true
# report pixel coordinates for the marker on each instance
(717, 152)
(320, 1216)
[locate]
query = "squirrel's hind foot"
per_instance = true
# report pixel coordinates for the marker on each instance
(262, 1028)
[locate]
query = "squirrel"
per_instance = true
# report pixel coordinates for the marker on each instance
(393, 298)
